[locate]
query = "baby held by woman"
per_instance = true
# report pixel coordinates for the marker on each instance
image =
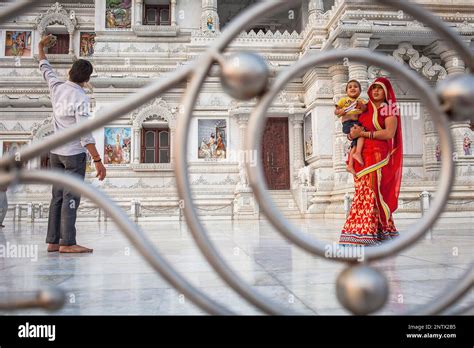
(348, 109)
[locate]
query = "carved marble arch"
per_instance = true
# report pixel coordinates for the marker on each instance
(151, 115)
(56, 14)
(38, 132)
(157, 111)
(41, 130)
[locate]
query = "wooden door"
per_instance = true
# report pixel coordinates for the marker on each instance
(155, 145)
(275, 154)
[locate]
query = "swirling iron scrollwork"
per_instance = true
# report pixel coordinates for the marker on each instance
(251, 74)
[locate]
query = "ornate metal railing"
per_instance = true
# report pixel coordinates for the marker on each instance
(360, 288)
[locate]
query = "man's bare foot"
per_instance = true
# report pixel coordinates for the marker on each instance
(358, 158)
(53, 247)
(351, 169)
(74, 249)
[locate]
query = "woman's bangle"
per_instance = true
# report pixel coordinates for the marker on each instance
(98, 160)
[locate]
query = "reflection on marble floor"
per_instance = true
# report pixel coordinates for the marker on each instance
(116, 280)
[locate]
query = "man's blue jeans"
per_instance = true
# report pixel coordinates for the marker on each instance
(64, 204)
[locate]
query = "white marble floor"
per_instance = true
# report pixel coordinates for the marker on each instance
(116, 280)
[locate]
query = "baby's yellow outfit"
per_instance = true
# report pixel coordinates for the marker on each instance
(348, 104)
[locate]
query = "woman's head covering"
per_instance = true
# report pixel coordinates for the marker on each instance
(387, 87)
(378, 83)
(393, 170)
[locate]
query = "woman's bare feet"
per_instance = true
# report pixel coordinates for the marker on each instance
(74, 249)
(53, 247)
(358, 158)
(351, 169)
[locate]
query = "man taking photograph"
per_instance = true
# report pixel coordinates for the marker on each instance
(70, 106)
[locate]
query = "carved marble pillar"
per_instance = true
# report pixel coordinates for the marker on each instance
(339, 79)
(243, 122)
(173, 12)
(358, 71)
(209, 16)
(460, 130)
(136, 145)
(138, 12)
(172, 151)
(71, 43)
(245, 205)
(172, 126)
(298, 162)
(455, 66)
(315, 9)
(431, 162)
(242, 158)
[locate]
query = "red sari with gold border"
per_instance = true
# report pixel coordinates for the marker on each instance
(377, 182)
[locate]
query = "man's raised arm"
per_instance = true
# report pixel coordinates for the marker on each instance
(45, 68)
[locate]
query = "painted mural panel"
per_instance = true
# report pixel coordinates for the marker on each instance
(87, 44)
(117, 145)
(118, 14)
(212, 139)
(18, 43)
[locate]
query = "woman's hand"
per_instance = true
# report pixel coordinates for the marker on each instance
(384, 134)
(356, 131)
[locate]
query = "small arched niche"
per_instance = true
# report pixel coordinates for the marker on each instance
(60, 23)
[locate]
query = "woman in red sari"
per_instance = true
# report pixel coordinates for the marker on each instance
(377, 182)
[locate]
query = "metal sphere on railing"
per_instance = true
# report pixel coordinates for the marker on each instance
(244, 75)
(362, 289)
(51, 299)
(456, 94)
